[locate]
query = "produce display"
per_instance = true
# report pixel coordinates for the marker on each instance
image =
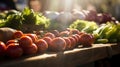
(28, 33)
(84, 26)
(108, 32)
(31, 43)
(26, 20)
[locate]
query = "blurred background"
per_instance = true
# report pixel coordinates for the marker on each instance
(101, 6)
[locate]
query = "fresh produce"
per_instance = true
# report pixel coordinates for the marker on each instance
(17, 34)
(78, 15)
(48, 40)
(31, 49)
(51, 15)
(42, 45)
(68, 43)
(58, 44)
(107, 33)
(76, 38)
(64, 33)
(25, 41)
(26, 20)
(86, 40)
(84, 26)
(49, 34)
(55, 32)
(81, 32)
(6, 34)
(61, 21)
(74, 31)
(73, 42)
(91, 15)
(104, 18)
(11, 41)
(13, 50)
(29, 43)
(32, 36)
(2, 48)
(68, 17)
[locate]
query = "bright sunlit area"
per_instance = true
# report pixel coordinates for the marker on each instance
(109, 6)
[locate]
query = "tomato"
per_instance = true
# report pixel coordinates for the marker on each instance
(48, 40)
(33, 37)
(74, 31)
(17, 34)
(11, 41)
(2, 48)
(58, 44)
(42, 45)
(68, 43)
(64, 33)
(55, 32)
(78, 36)
(75, 37)
(73, 42)
(51, 35)
(31, 49)
(25, 41)
(14, 51)
(86, 40)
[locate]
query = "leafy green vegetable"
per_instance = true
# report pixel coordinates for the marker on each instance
(110, 31)
(28, 16)
(27, 20)
(84, 26)
(13, 21)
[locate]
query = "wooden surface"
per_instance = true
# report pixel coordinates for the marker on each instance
(70, 58)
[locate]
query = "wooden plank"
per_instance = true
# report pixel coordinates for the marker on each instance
(70, 58)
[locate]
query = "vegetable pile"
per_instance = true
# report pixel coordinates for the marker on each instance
(34, 33)
(84, 26)
(108, 32)
(31, 43)
(26, 21)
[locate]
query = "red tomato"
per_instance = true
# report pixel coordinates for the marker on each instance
(76, 39)
(73, 42)
(86, 40)
(64, 33)
(68, 43)
(42, 45)
(55, 32)
(25, 41)
(14, 51)
(48, 40)
(74, 31)
(31, 49)
(78, 36)
(58, 44)
(51, 35)
(2, 48)
(33, 36)
(17, 34)
(11, 41)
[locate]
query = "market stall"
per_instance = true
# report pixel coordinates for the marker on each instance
(68, 36)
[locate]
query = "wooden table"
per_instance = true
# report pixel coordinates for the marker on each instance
(69, 58)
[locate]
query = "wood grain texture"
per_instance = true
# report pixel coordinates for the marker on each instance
(70, 58)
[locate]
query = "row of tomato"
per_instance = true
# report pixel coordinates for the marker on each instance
(32, 43)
